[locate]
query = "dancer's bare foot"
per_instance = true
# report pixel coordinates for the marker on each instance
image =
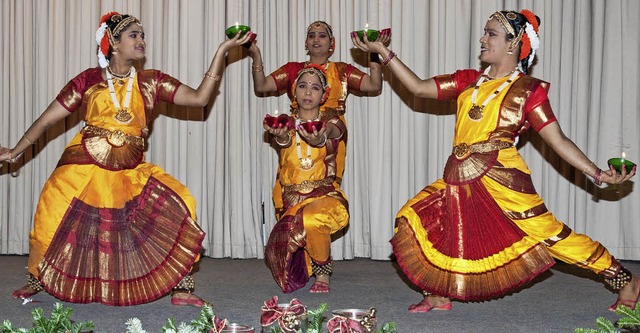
(186, 298)
(431, 302)
(321, 285)
(25, 292)
(628, 295)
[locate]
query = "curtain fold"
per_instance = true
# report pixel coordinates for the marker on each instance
(397, 143)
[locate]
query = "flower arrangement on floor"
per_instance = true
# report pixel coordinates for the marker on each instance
(630, 322)
(294, 318)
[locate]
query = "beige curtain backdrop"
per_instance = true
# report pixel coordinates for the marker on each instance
(398, 143)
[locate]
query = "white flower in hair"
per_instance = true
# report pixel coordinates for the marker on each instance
(100, 32)
(102, 59)
(533, 40)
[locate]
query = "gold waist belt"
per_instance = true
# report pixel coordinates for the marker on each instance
(307, 185)
(115, 138)
(463, 150)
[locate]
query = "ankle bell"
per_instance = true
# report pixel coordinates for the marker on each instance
(620, 279)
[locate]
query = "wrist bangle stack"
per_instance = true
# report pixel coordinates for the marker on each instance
(596, 177)
(389, 58)
(214, 77)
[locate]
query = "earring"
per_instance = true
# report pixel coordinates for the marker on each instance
(510, 52)
(115, 51)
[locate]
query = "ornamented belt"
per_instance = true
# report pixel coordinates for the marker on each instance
(463, 150)
(307, 185)
(115, 138)
(112, 150)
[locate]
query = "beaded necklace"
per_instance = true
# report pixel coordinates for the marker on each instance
(476, 111)
(122, 116)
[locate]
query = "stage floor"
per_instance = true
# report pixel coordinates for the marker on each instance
(560, 300)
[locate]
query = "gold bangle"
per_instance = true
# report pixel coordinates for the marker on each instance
(257, 69)
(587, 167)
(275, 138)
(214, 77)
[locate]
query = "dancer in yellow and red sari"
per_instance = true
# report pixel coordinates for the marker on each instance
(345, 78)
(110, 227)
(482, 230)
(314, 206)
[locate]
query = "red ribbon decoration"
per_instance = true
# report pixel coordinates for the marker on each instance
(271, 313)
(339, 324)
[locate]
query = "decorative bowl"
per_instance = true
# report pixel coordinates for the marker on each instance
(372, 34)
(283, 120)
(617, 163)
(366, 319)
(233, 30)
(309, 126)
(237, 328)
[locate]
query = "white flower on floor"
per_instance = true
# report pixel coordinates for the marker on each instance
(26, 300)
(134, 326)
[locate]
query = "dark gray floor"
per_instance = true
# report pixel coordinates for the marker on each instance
(559, 301)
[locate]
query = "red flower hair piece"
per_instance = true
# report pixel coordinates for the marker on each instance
(107, 16)
(531, 17)
(104, 42)
(525, 48)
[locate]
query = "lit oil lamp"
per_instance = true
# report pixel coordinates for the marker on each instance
(233, 30)
(617, 163)
(372, 34)
(278, 121)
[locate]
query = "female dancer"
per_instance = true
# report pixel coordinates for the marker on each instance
(482, 230)
(314, 206)
(110, 227)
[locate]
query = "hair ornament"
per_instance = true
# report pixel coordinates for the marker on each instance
(103, 40)
(511, 15)
(532, 42)
(504, 22)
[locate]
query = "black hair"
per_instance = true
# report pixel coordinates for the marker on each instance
(518, 23)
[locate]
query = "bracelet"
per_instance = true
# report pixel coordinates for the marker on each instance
(214, 77)
(389, 58)
(257, 69)
(596, 177)
(324, 142)
(275, 138)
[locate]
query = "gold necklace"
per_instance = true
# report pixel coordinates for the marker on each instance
(120, 78)
(476, 111)
(122, 116)
(306, 163)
